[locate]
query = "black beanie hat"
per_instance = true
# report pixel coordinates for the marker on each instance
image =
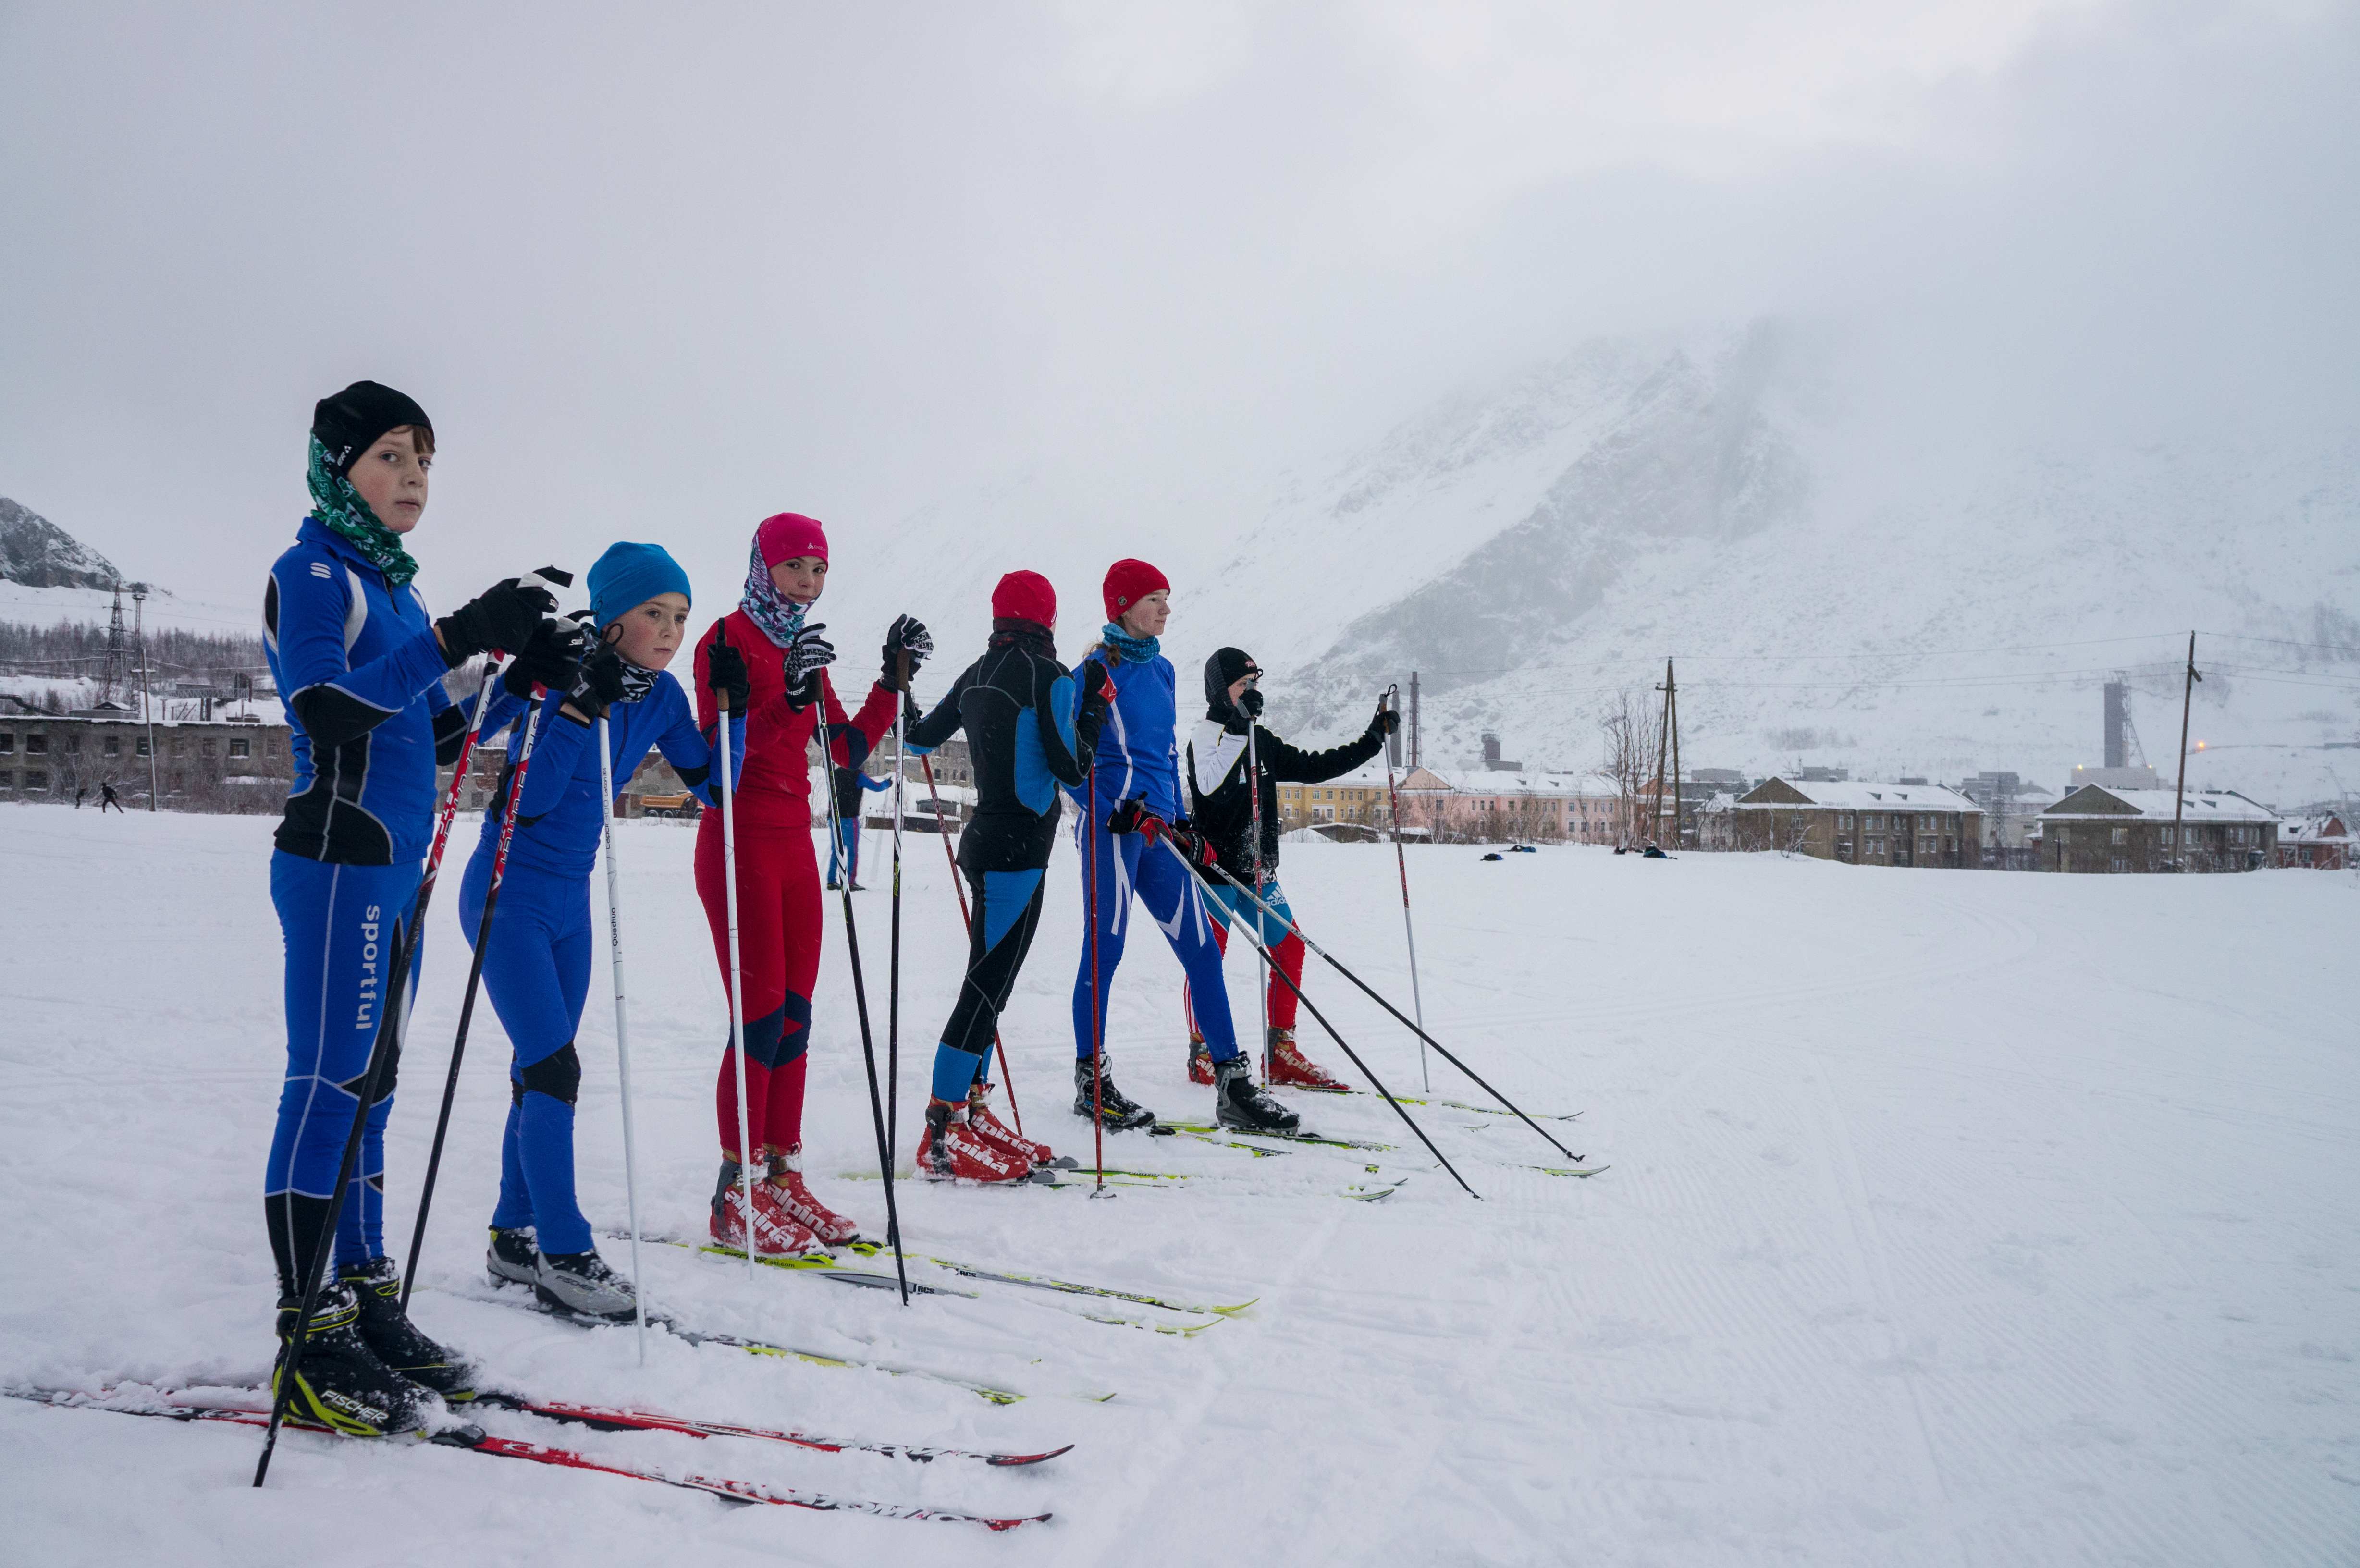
(1223, 670)
(349, 423)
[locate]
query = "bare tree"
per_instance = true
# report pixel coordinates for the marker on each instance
(1629, 730)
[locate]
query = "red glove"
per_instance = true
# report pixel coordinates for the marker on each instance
(1133, 817)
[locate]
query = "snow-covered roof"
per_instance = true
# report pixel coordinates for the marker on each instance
(2313, 830)
(1538, 782)
(2159, 805)
(1867, 795)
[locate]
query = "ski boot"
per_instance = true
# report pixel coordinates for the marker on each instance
(388, 1330)
(951, 1150)
(342, 1385)
(1240, 1103)
(992, 1130)
(513, 1258)
(1201, 1059)
(775, 1235)
(786, 1191)
(1122, 1114)
(1288, 1065)
(580, 1285)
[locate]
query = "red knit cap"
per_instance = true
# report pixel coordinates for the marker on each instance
(1126, 582)
(1025, 596)
(789, 535)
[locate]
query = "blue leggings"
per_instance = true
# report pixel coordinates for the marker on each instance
(339, 924)
(537, 971)
(1128, 864)
(845, 851)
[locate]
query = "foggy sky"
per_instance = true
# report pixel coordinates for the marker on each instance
(658, 273)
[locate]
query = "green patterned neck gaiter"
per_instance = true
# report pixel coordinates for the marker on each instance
(335, 503)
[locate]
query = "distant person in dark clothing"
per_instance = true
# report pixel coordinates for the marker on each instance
(108, 797)
(80, 792)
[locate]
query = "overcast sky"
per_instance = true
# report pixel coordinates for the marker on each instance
(658, 271)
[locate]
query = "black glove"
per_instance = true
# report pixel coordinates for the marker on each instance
(1097, 691)
(550, 658)
(806, 656)
(502, 617)
(1387, 721)
(1193, 847)
(1251, 702)
(905, 636)
(1132, 816)
(599, 686)
(724, 673)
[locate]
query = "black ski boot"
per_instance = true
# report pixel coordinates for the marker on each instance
(386, 1329)
(1122, 1113)
(514, 1257)
(342, 1385)
(580, 1285)
(1240, 1103)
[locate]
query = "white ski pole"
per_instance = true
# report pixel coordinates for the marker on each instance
(1417, 999)
(737, 978)
(1261, 986)
(622, 1028)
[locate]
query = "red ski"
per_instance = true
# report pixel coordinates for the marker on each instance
(475, 1439)
(607, 1417)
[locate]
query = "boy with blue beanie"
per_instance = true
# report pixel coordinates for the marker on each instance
(536, 953)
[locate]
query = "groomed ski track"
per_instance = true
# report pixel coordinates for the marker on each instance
(1952, 1218)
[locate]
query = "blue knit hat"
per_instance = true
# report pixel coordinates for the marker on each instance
(629, 575)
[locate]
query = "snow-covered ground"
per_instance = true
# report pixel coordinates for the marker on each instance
(1953, 1218)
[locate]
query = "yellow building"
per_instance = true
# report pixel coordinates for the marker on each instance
(1357, 796)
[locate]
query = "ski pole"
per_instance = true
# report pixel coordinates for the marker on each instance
(622, 1028)
(893, 960)
(1254, 936)
(1416, 996)
(474, 981)
(967, 919)
(745, 1151)
(384, 1049)
(861, 1006)
(1097, 1024)
(1254, 782)
(1447, 1055)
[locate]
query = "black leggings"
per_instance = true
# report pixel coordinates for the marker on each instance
(1006, 906)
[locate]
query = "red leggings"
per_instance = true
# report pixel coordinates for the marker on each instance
(777, 953)
(1288, 951)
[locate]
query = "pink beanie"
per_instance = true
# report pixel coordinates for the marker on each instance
(1126, 582)
(789, 535)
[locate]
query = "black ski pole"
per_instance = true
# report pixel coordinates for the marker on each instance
(1254, 936)
(474, 981)
(861, 1006)
(1447, 1053)
(384, 1049)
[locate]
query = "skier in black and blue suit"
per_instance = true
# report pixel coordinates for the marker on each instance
(360, 666)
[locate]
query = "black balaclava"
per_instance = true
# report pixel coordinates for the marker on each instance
(349, 423)
(1222, 671)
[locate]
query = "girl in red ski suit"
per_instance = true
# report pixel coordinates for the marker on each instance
(788, 691)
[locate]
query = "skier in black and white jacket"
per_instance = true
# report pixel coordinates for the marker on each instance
(1228, 742)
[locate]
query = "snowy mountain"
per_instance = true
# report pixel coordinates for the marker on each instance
(37, 553)
(1833, 594)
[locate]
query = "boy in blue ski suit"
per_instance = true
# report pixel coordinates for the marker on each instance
(537, 952)
(360, 668)
(1139, 843)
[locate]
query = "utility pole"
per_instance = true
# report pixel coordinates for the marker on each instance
(1415, 753)
(1663, 739)
(147, 700)
(2179, 796)
(1672, 701)
(114, 649)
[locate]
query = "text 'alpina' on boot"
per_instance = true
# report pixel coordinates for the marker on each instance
(793, 1199)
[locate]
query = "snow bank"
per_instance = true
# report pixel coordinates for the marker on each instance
(1951, 1218)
